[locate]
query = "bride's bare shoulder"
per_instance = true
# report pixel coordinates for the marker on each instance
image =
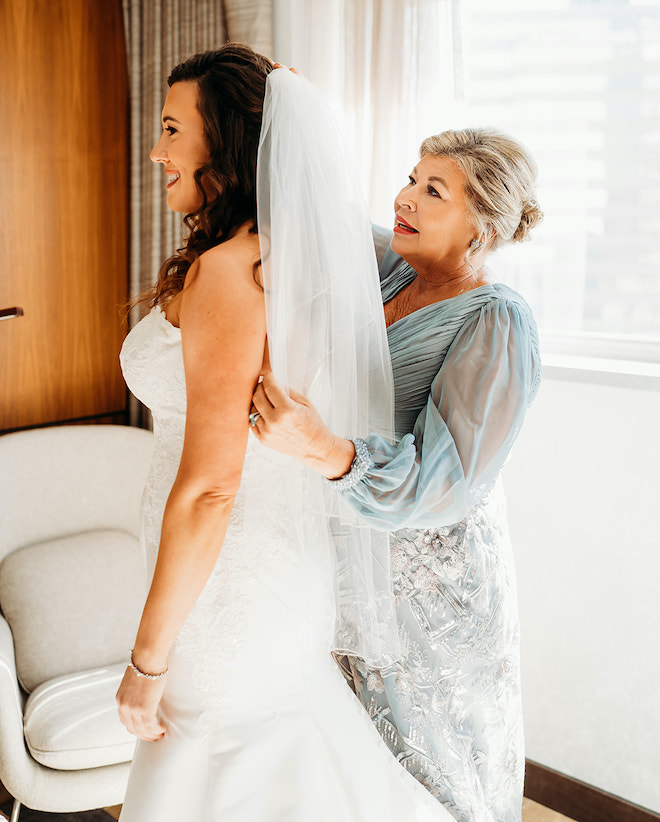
(239, 253)
(226, 274)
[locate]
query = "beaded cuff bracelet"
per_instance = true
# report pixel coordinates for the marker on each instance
(362, 462)
(132, 665)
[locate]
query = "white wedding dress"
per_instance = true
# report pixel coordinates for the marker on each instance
(261, 726)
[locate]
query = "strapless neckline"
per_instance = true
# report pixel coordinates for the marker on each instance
(160, 312)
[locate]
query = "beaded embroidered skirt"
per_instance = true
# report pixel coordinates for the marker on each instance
(450, 708)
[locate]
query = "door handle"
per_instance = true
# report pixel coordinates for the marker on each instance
(10, 313)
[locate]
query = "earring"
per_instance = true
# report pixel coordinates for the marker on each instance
(475, 245)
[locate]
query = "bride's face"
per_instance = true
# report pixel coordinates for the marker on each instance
(182, 147)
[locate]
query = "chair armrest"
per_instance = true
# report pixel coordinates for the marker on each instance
(33, 784)
(11, 701)
(13, 754)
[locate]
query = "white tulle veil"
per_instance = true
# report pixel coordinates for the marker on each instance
(327, 339)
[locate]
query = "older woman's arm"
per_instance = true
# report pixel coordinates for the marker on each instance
(463, 436)
(460, 440)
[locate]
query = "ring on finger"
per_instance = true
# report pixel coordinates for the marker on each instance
(254, 416)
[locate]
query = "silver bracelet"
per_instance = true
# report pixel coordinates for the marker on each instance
(132, 665)
(362, 462)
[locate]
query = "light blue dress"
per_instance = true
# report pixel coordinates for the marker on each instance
(465, 372)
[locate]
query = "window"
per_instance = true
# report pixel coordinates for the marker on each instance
(579, 84)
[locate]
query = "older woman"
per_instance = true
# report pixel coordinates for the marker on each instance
(466, 367)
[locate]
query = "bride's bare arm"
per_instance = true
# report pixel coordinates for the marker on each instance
(223, 331)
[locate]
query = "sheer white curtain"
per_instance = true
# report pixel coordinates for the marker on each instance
(387, 66)
(577, 81)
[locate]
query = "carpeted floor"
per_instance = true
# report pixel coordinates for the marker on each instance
(27, 815)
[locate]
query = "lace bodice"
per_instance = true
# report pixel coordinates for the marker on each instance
(152, 361)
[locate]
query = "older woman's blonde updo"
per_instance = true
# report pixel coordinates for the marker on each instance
(499, 181)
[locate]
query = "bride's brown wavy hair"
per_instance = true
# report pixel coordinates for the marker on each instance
(231, 85)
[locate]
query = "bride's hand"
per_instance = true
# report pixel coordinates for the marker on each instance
(138, 699)
(289, 423)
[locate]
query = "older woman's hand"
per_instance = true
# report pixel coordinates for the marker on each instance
(288, 422)
(277, 65)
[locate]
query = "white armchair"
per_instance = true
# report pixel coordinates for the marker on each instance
(72, 584)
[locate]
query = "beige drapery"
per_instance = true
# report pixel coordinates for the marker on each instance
(160, 34)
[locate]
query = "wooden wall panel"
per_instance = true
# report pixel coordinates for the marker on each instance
(63, 209)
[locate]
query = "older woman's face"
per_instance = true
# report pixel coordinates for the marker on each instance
(432, 229)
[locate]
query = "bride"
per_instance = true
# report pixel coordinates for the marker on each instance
(241, 712)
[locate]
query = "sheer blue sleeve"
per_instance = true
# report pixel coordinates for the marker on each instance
(462, 437)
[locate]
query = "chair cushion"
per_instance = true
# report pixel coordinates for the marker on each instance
(72, 722)
(72, 603)
(66, 479)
